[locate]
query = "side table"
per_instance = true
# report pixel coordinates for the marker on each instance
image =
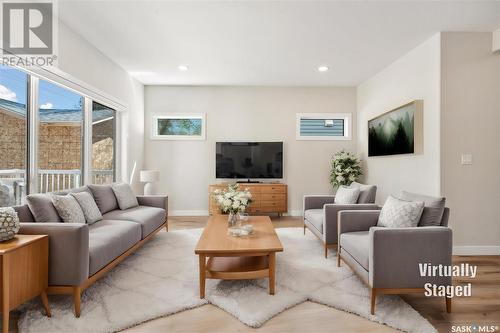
(24, 273)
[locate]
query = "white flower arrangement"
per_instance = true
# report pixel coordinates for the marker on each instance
(346, 168)
(232, 200)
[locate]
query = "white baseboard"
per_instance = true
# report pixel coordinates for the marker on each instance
(295, 212)
(188, 213)
(205, 213)
(476, 250)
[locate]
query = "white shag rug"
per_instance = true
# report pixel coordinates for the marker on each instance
(162, 278)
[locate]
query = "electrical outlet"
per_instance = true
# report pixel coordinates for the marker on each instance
(466, 159)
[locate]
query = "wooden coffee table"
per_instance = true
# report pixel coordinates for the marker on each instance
(238, 258)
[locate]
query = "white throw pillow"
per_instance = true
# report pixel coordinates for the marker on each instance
(347, 195)
(124, 195)
(89, 207)
(397, 213)
(68, 208)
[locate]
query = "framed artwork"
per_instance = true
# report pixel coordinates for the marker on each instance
(398, 131)
(179, 127)
(323, 126)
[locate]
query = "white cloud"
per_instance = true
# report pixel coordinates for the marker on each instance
(47, 105)
(6, 93)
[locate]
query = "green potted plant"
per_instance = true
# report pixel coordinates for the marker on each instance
(346, 168)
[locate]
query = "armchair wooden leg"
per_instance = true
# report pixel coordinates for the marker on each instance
(448, 304)
(77, 293)
(326, 251)
(338, 259)
(373, 300)
(166, 225)
(304, 229)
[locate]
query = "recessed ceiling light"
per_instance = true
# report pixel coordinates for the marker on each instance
(323, 68)
(183, 68)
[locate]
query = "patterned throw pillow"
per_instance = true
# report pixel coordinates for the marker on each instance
(68, 208)
(397, 213)
(347, 195)
(89, 207)
(124, 195)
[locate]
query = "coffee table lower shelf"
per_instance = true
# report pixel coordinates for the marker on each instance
(238, 268)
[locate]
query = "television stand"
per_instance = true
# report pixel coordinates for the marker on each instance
(249, 181)
(266, 198)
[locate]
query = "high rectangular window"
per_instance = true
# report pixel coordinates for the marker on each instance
(323, 126)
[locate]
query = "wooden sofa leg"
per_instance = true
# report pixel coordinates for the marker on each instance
(166, 225)
(326, 251)
(77, 293)
(338, 259)
(373, 300)
(448, 304)
(304, 229)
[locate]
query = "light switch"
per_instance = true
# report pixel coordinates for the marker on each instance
(466, 159)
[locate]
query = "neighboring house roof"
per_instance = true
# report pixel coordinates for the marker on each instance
(54, 115)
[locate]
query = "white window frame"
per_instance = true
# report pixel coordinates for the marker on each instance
(156, 117)
(346, 117)
(89, 94)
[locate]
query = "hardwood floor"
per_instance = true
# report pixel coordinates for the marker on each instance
(483, 308)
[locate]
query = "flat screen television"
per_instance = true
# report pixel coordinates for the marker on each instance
(249, 160)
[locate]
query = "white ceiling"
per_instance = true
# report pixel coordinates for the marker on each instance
(266, 43)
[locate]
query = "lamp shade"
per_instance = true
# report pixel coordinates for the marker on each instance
(150, 176)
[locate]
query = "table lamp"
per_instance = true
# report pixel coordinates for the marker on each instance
(149, 177)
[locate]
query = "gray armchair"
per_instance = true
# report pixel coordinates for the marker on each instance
(320, 213)
(387, 259)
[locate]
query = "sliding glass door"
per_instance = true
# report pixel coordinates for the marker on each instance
(103, 144)
(60, 138)
(51, 138)
(13, 135)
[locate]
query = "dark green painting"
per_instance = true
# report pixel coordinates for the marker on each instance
(393, 132)
(171, 126)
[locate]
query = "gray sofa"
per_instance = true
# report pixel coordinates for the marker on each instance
(320, 213)
(79, 254)
(387, 259)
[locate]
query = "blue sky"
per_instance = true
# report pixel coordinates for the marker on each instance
(13, 88)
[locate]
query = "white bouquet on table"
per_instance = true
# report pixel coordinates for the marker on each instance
(232, 201)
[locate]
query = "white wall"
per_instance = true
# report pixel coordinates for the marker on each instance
(416, 75)
(83, 61)
(471, 124)
(242, 113)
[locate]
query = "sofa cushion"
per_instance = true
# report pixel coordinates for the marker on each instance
(433, 208)
(347, 195)
(124, 195)
(68, 208)
(397, 213)
(89, 207)
(357, 244)
(42, 208)
(149, 218)
(104, 197)
(315, 217)
(108, 240)
(367, 193)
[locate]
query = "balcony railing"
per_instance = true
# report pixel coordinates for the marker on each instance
(12, 182)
